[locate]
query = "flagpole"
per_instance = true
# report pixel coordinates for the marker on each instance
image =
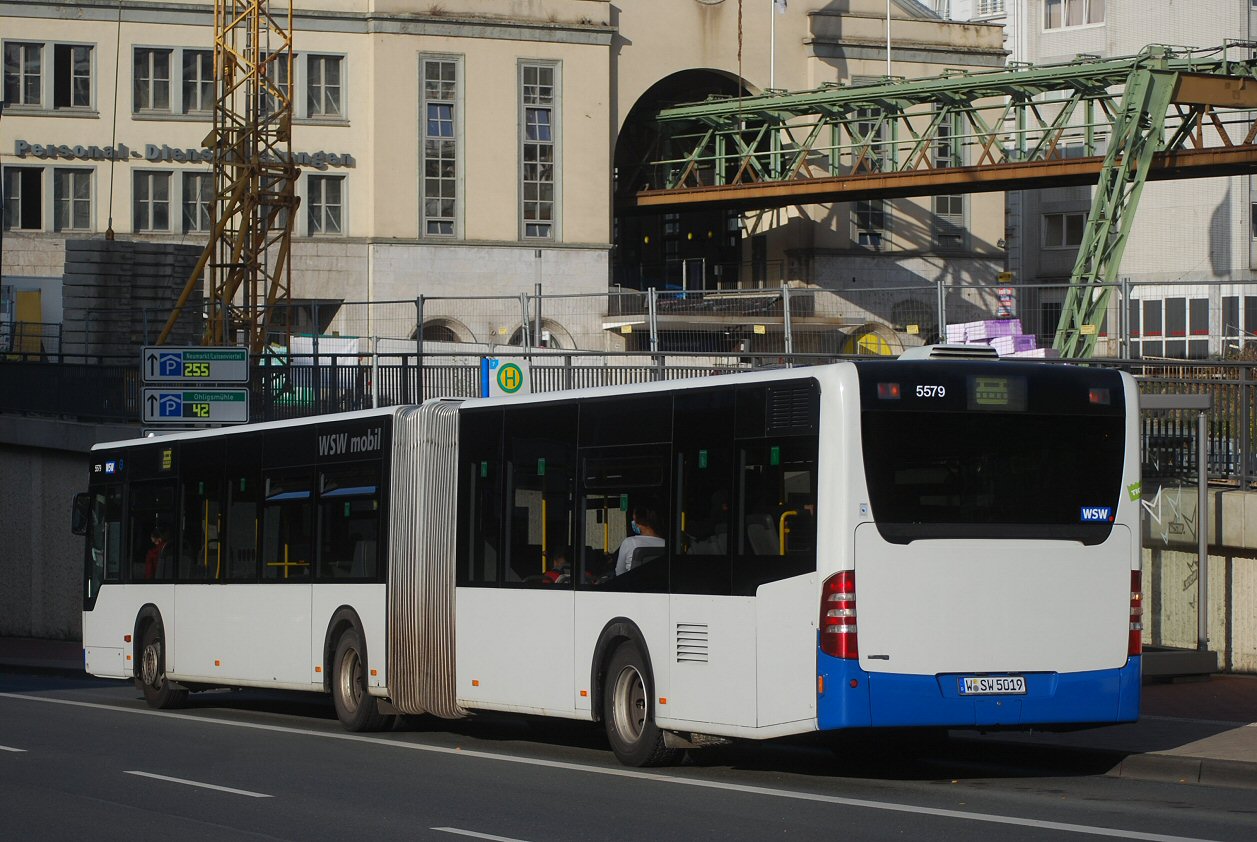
(888, 39)
(772, 44)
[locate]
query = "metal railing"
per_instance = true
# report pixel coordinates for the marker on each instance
(297, 386)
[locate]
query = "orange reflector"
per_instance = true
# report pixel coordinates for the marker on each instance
(217, 663)
(475, 682)
(128, 657)
(584, 693)
(127, 638)
(820, 685)
(663, 700)
(318, 669)
(855, 682)
(374, 673)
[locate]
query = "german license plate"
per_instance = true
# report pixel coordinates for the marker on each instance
(993, 685)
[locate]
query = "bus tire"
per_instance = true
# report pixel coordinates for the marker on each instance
(626, 701)
(151, 678)
(356, 709)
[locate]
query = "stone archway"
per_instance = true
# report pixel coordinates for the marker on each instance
(691, 250)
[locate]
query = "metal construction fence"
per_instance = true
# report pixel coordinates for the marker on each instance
(1144, 321)
(296, 386)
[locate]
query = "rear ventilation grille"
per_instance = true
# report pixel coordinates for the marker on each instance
(692, 643)
(950, 352)
(793, 408)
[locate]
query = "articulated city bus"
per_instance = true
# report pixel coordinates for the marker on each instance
(868, 544)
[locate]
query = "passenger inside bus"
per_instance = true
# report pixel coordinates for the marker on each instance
(634, 550)
(157, 557)
(560, 572)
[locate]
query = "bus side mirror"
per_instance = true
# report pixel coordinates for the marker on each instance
(78, 515)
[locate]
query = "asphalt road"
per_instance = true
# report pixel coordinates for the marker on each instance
(85, 759)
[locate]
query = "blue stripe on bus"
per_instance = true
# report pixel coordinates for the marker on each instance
(890, 699)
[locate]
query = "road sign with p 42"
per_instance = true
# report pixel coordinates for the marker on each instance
(163, 364)
(196, 406)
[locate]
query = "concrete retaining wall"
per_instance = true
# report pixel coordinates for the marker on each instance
(43, 464)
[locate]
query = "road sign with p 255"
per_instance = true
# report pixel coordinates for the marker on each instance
(162, 364)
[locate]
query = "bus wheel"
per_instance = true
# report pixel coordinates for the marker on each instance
(356, 709)
(635, 738)
(152, 678)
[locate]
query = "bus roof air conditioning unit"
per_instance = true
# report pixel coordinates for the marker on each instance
(950, 352)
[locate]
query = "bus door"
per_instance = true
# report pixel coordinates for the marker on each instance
(516, 581)
(745, 529)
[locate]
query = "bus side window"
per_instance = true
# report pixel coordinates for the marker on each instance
(480, 495)
(153, 538)
(542, 467)
(200, 523)
(776, 510)
(349, 522)
(240, 550)
(288, 525)
(704, 463)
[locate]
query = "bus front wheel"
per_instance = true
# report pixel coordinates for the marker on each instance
(152, 680)
(631, 729)
(356, 709)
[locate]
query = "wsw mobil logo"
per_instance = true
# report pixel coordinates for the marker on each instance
(337, 444)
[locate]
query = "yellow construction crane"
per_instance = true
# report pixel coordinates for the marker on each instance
(255, 202)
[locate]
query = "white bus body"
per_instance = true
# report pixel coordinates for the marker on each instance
(419, 571)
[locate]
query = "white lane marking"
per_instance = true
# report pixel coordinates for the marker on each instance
(10, 748)
(475, 835)
(644, 776)
(199, 784)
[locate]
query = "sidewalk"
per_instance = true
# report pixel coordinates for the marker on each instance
(1202, 731)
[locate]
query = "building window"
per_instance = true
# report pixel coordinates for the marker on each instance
(23, 198)
(990, 8)
(326, 204)
(71, 76)
(539, 98)
(1063, 230)
(198, 81)
(72, 200)
(151, 201)
(278, 77)
(198, 194)
(152, 80)
(868, 150)
(323, 88)
(440, 146)
(1252, 210)
(869, 219)
(949, 211)
(22, 73)
(1062, 13)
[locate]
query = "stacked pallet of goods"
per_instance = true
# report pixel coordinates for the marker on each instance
(1004, 335)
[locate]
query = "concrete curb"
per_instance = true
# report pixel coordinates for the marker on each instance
(1172, 768)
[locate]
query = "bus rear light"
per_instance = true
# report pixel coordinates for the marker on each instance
(888, 391)
(1135, 642)
(838, 617)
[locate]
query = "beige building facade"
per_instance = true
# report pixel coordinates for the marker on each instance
(466, 148)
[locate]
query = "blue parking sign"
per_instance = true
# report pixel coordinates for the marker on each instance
(170, 364)
(170, 405)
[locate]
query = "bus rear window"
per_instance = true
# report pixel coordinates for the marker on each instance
(958, 475)
(948, 454)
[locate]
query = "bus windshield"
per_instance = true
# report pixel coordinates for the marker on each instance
(1037, 454)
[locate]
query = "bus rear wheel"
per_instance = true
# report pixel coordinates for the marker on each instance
(356, 709)
(151, 679)
(631, 729)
